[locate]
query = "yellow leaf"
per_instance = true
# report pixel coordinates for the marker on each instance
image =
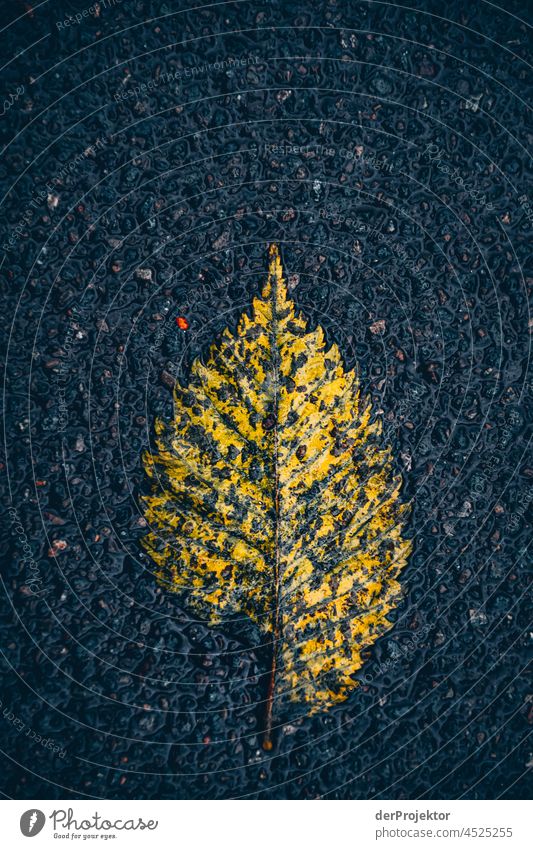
(274, 497)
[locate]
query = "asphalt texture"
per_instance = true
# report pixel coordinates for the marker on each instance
(383, 146)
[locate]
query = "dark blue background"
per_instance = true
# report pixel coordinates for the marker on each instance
(171, 214)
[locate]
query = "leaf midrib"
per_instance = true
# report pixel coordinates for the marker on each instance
(276, 623)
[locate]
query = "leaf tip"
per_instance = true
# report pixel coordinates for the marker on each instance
(274, 257)
(276, 286)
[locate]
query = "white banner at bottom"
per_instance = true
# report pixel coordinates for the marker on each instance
(268, 824)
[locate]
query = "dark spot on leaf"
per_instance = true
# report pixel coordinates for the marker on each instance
(256, 471)
(301, 451)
